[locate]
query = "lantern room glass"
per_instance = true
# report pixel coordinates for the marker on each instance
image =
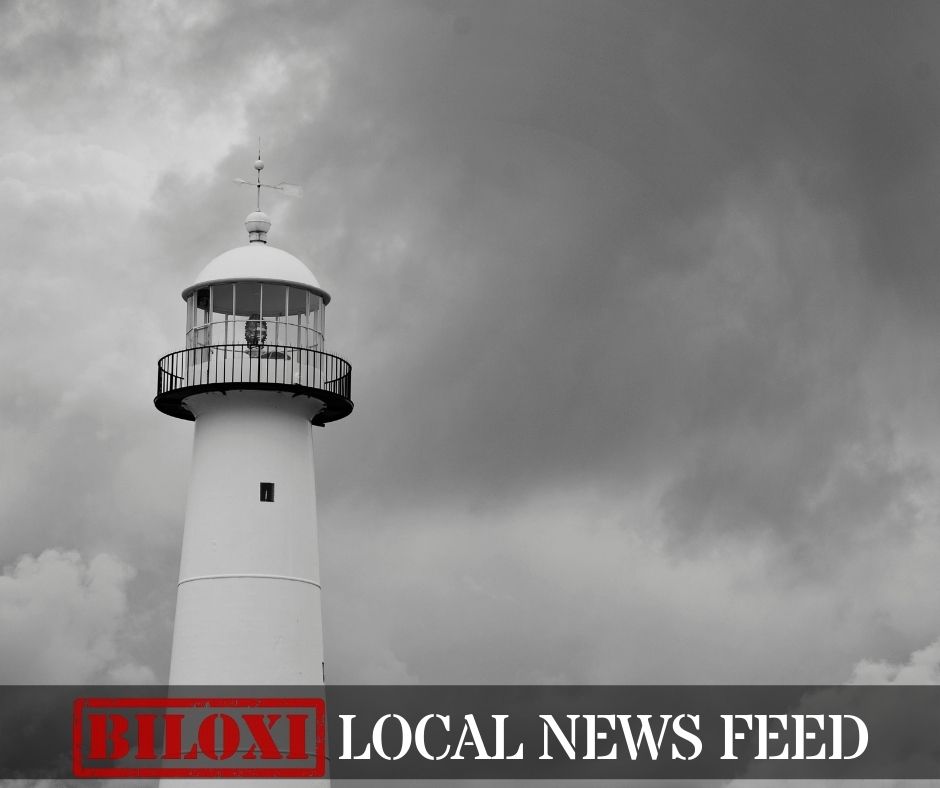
(255, 314)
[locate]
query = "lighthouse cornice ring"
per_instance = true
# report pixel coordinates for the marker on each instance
(260, 279)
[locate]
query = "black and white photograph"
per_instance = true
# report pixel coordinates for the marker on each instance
(470, 342)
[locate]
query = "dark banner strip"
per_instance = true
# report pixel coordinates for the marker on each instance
(466, 732)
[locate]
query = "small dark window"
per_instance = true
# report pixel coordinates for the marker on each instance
(267, 492)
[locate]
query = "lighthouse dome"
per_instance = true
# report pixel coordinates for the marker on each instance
(258, 262)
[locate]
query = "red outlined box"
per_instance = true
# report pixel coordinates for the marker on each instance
(313, 708)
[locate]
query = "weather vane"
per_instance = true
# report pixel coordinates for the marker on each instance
(290, 189)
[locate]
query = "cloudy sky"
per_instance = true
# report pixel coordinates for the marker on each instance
(642, 301)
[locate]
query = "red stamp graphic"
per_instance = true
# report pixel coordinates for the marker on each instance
(198, 737)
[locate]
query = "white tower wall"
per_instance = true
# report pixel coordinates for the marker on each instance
(248, 604)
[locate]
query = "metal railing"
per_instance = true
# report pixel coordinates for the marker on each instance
(270, 366)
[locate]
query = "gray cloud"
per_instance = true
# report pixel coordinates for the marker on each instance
(65, 621)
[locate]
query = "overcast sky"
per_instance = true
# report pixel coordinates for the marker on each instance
(642, 302)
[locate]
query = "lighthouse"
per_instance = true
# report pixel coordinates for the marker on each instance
(255, 377)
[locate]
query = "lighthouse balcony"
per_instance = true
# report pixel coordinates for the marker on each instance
(299, 371)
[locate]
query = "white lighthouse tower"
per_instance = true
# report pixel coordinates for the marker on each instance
(253, 376)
